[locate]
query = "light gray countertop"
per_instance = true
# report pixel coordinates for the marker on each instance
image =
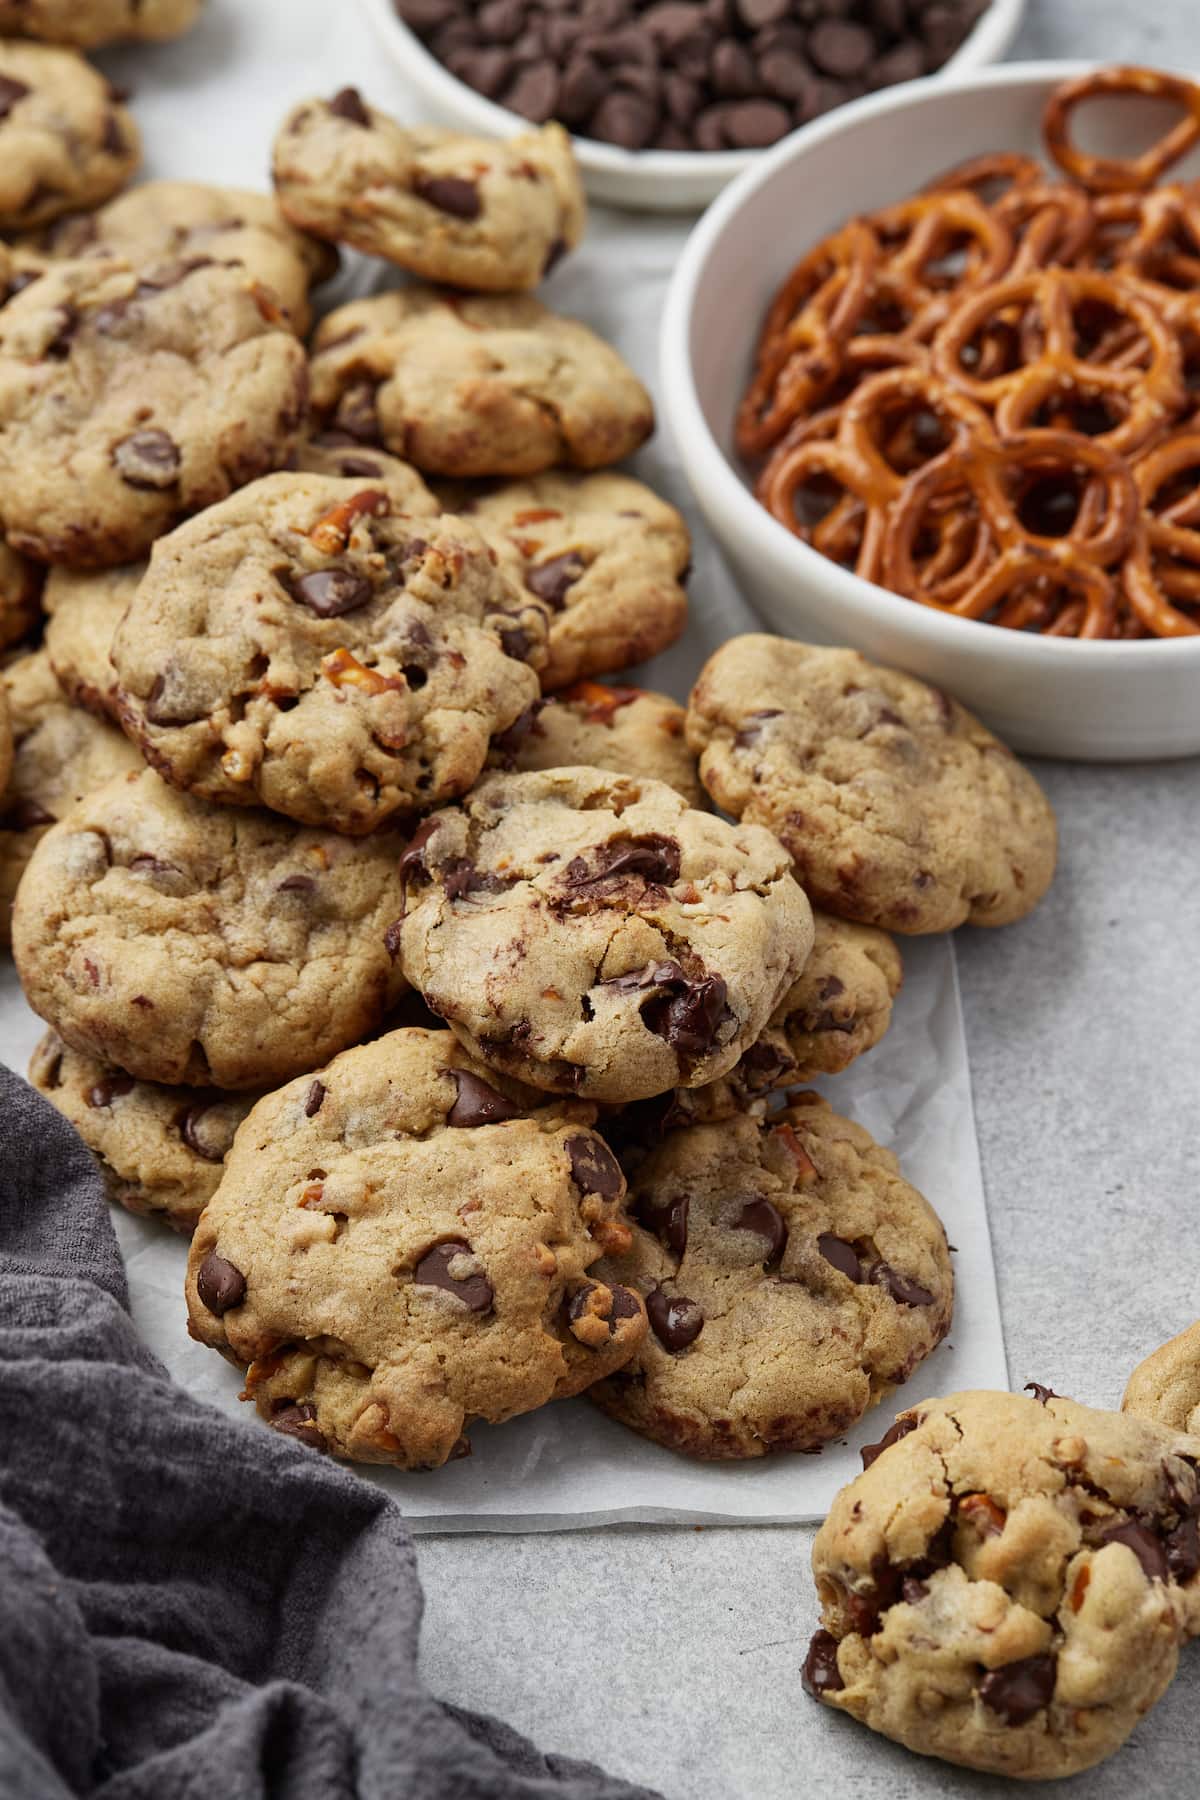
(673, 1655)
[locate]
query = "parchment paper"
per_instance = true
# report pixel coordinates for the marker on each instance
(208, 107)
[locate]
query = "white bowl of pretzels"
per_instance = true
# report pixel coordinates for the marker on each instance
(963, 435)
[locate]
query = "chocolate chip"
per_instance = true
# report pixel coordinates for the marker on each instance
(757, 13)
(296, 884)
(731, 70)
(534, 94)
(152, 865)
(1040, 1393)
(751, 731)
(219, 1285)
(10, 92)
(478, 1103)
(767, 1222)
(625, 119)
(1145, 1546)
(316, 1095)
(113, 137)
(330, 592)
(147, 459)
(622, 1305)
(104, 1092)
(433, 1270)
(787, 75)
(461, 878)
(594, 1168)
(581, 90)
(753, 124)
(452, 194)
(820, 1674)
(675, 1321)
(840, 48)
(843, 1256)
(348, 105)
(356, 412)
(652, 857)
(506, 744)
(1020, 1689)
(190, 1131)
(414, 856)
(297, 1422)
(488, 70)
(552, 580)
(670, 1223)
(902, 1288)
(892, 1435)
(1183, 1550)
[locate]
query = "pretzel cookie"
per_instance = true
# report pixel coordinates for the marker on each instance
(589, 933)
(1008, 1583)
(401, 1244)
(898, 808)
(472, 212)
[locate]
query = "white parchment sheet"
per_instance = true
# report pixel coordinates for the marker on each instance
(208, 107)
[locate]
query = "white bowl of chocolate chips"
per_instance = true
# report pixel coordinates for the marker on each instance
(670, 99)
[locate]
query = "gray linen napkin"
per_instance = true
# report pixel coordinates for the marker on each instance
(190, 1610)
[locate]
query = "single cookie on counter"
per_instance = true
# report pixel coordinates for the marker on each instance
(175, 221)
(172, 384)
(476, 385)
(59, 755)
(1008, 1583)
(196, 945)
(630, 730)
(792, 1280)
(20, 596)
(309, 646)
(590, 933)
(605, 554)
(90, 23)
(1166, 1385)
(471, 212)
(336, 453)
(84, 608)
(66, 141)
(161, 1149)
(899, 809)
(400, 1245)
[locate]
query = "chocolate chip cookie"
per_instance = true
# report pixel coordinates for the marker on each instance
(90, 23)
(401, 1244)
(1166, 1385)
(20, 596)
(792, 1279)
(65, 140)
(309, 646)
(197, 945)
(1008, 1583)
(898, 808)
(472, 212)
(175, 221)
(59, 755)
(605, 554)
(631, 730)
(476, 384)
(172, 386)
(84, 608)
(160, 1149)
(589, 933)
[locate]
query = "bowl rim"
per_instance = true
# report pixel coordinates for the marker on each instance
(991, 33)
(720, 477)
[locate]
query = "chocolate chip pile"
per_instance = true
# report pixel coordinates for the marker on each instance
(687, 74)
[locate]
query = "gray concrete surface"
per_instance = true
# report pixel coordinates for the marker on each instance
(673, 1655)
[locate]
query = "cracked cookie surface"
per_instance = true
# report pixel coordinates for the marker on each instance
(84, 608)
(604, 553)
(65, 140)
(131, 399)
(201, 945)
(631, 730)
(589, 933)
(472, 212)
(898, 807)
(59, 755)
(91, 23)
(401, 1244)
(1008, 1583)
(176, 221)
(792, 1279)
(308, 646)
(161, 1149)
(476, 385)
(1166, 1385)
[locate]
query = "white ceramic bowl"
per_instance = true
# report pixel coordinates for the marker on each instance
(1098, 701)
(650, 180)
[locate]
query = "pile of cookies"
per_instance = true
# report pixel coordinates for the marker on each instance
(459, 1004)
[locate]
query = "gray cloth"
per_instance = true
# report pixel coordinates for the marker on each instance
(190, 1609)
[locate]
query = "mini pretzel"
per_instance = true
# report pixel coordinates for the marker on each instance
(1148, 584)
(1006, 169)
(1105, 174)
